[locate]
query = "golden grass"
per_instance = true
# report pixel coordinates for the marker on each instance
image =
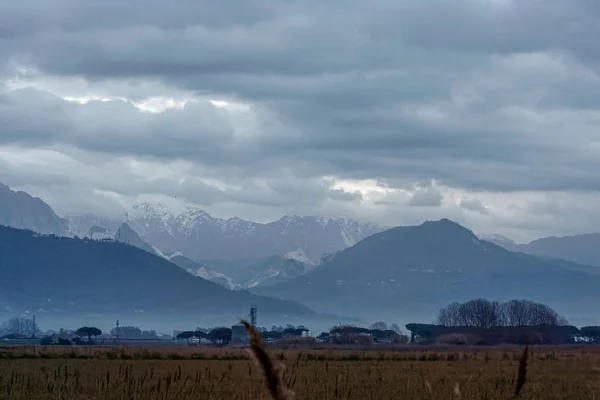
(410, 374)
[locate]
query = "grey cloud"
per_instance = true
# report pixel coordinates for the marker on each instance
(343, 195)
(32, 117)
(426, 197)
(486, 96)
(475, 205)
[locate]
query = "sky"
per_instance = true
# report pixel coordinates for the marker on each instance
(389, 111)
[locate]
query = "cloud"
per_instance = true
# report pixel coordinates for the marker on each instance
(474, 205)
(426, 197)
(484, 97)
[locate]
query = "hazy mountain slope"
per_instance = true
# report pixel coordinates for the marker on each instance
(501, 241)
(200, 270)
(429, 265)
(64, 275)
(277, 269)
(21, 210)
(581, 249)
(197, 235)
(84, 225)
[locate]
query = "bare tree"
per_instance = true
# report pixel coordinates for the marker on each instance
(24, 326)
(529, 313)
(450, 315)
(483, 313)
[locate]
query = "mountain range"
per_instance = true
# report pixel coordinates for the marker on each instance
(582, 249)
(161, 262)
(274, 269)
(59, 275)
(415, 270)
(197, 235)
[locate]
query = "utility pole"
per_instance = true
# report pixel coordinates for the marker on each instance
(33, 331)
(117, 332)
(253, 315)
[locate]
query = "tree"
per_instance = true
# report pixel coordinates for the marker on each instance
(17, 325)
(450, 315)
(481, 313)
(381, 326)
(529, 313)
(201, 335)
(186, 335)
(89, 331)
(591, 332)
(220, 335)
(127, 332)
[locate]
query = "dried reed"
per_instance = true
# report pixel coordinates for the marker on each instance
(273, 370)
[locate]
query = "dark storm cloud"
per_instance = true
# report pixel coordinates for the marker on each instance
(484, 95)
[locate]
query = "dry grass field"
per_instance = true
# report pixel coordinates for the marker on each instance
(182, 373)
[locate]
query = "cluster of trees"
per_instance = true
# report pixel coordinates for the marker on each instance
(282, 328)
(482, 313)
(481, 321)
(133, 332)
(18, 327)
(291, 331)
(348, 334)
(220, 335)
(382, 326)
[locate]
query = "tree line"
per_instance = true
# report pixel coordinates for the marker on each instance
(482, 313)
(482, 321)
(18, 326)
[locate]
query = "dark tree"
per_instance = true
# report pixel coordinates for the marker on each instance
(591, 332)
(529, 313)
(186, 335)
(201, 335)
(89, 331)
(481, 313)
(220, 335)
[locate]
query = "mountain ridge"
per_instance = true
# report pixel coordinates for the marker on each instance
(20, 210)
(581, 248)
(426, 266)
(198, 235)
(68, 275)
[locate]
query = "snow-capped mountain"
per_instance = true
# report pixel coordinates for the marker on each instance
(198, 235)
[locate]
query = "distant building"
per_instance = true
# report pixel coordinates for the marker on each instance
(239, 334)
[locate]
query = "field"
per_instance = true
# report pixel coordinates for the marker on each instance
(183, 373)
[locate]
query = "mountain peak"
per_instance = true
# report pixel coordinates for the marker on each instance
(19, 209)
(446, 227)
(125, 234)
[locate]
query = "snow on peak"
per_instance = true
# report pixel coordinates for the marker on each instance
(298, 255)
